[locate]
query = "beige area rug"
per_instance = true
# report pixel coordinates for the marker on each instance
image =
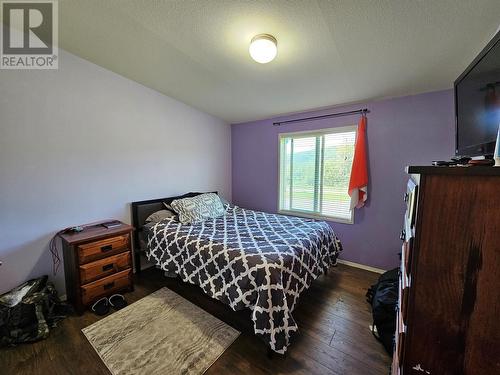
(161, 333)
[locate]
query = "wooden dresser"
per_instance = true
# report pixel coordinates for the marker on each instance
(449, 299)
(97, 263)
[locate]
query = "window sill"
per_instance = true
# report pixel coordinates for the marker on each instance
(317, 216)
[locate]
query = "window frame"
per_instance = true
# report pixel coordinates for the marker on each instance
(305, 134)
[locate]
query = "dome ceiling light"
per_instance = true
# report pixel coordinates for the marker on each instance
(263, 48)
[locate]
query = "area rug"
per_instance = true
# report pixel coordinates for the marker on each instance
(161, 333)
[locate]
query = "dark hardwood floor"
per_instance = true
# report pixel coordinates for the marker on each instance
(334, 337)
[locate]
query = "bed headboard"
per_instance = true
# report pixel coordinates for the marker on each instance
(140, 212)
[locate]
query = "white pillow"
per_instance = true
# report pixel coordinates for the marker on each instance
(199, 208)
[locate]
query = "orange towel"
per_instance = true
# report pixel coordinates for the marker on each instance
(358, 182)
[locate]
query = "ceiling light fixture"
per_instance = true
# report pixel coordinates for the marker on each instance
(263, 48)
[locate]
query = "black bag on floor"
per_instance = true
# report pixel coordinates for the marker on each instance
(29, 311)
(383, 296)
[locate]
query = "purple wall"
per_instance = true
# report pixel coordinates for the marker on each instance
(408, 130)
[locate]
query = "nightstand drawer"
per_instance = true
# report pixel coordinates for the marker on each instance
(104, 267)
(104, 248)
(104, 287)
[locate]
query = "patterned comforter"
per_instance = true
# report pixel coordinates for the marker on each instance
(249, 259)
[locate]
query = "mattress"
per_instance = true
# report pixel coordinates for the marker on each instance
(249, 259)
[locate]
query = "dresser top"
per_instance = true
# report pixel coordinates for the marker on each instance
(455, 170)
(94, 231)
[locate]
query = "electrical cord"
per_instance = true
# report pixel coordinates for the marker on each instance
(54, 252)
(56, 260)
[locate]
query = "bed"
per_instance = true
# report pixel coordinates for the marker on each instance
(244, 258)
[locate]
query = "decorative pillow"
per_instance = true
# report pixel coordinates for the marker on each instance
(168, 201)
(168, 206)
(158, 216)
(225, 203)
(199, 208)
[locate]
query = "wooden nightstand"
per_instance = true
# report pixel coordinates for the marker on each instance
(97, 263)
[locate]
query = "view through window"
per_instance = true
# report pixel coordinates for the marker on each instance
(315, 168)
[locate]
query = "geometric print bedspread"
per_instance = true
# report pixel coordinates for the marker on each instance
(249, 259)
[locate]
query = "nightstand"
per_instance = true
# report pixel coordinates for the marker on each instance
(97, 263)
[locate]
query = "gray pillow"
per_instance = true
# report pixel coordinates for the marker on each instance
(199, 208)
(158, 216)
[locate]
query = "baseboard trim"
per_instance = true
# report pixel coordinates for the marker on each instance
(361, 266)
(341, 261)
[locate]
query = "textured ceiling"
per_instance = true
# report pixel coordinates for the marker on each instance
(329, 52)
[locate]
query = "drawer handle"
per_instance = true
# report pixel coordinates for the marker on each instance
(402, 236)
(108, 267)
(405, 197)
(109, 285)
(106, 248)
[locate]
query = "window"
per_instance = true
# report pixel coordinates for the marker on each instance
(315, 168)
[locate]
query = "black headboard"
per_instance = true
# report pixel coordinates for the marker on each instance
(140, 212)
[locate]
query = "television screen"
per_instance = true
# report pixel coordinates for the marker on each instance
(477, 101)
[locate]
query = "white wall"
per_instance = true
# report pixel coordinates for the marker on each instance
(79, 144)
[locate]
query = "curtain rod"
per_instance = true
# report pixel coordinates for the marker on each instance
(338, 114)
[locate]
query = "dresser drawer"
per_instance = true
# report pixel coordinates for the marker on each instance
(104, 267)
(91, 251)
(106, 286)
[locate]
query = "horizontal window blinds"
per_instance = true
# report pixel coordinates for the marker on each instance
(314, 172)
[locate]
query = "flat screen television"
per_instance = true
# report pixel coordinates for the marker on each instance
(477, 103)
